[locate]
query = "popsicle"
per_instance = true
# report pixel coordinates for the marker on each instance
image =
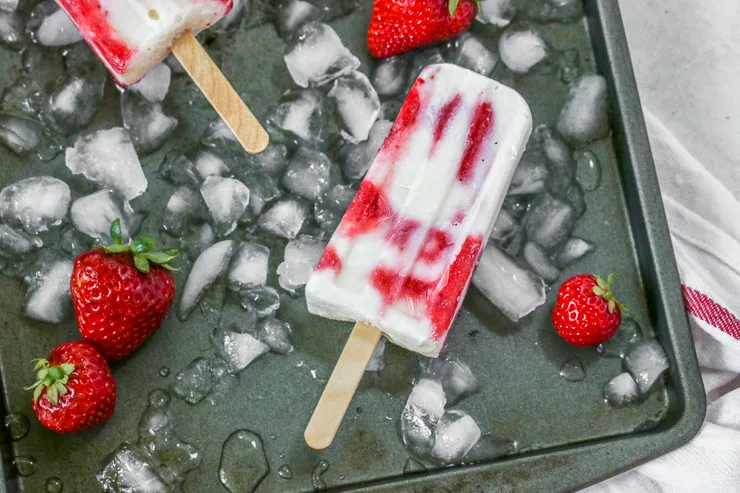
(403, 256)
(132, 36)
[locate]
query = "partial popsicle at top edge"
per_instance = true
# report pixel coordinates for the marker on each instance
(132, 36)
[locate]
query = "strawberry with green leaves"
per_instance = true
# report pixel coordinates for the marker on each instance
(74, 388)
(121, 293)
(586, 312)
(399, 26)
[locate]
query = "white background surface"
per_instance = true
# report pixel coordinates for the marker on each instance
(686, 55)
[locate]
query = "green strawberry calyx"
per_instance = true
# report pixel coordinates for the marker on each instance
(453, 6)
(142, 249)
(52, 378)
(603, 289)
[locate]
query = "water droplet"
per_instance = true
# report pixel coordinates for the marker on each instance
(159, 398)
(17, 425)
(318, 483)
(273, 437)
(341, 478)
(54, 485)
(359, 410)
(412, 466)
(285, 472)
(588, 170)
(282, 455)
(570, 67)
(572, 370)
(24, 466)
(243, 462)
(164, 372)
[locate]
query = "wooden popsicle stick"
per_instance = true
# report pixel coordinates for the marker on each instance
(220, 93)
(341, 386)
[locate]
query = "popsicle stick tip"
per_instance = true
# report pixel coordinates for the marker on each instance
(317, 441)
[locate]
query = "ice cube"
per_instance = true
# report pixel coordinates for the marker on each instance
(491, 447)
(179, 170)
(195, 381)
(198, 239)
(227, 199)
(20, 134)
(301, 256)
(531, 175)
(357, 104)
(218, 133)
(35, 204)
(12, 30)
(145, 122)
(24, 97)
(357, 158)
(513, 290)
(155, 84)
(428, 396)
(14, 243)
(75, 100)
(422, 58)
(94, 214)
(505, 227)
(569, 65)
(209, 266)
(184, 207)
(496, 12)
(58, 29)
(390, 75)
(575, 198)
(550, 222)
(455, 434)
(646, 361)
(377, 362)
(573, 251)
(128, 470)
(628, 335)
(108, 158)
(621, 390)
(275, 333)
(47, 298)
(332, 205)
(455, 376)
(80, 55)
(263, 300)
(585, 115)
(292, 14)
(263, 189)
(309, 173)
(522, 49)
(209, 163)
(424, 408)
(272, 161)
(237, 349)
(9, 5)
(304, 113)
(285, 218)
(588, 170)
(469, 52)
(315, 55)
(555, 11)
(556, 149)
(540, 262)
(249, 266)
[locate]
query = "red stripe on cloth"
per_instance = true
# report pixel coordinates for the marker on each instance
(708, 310)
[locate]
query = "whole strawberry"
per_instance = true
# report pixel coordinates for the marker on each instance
(586, 313)
(121, 293)
(398, 26)
(74, 388)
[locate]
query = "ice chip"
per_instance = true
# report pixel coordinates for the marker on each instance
(522, 49)
(628, 335)
(184, 208)
(513, 290)
(272, 161)
(275, 333)
(292, 14)
(263, 300)
(178, 169)
(428, 395)
(14, 243)
(238, 349)
(550, 222)
(20, 134)
(226, 199)
(531, 175)
(301, 256)
(505, 227)
(75, 100)
(93, 215)
(469, 52)
(557, 151)
(35, 204)
(585, 116)
(424, 408)
(540, 262)
(9, 5)
(57, 29)
(491, 447)
(285, 218)
(249, 266)
(357, 157)
(390, 75)
(304, 114)
(263, 189)
(48, 299)
(377, 361)
(555, 11)
(12, 30)
(108, 158)
(209, 163)
(573, 251)
(155, 84)
(646, 361)
(455, 434)
(423, 58)
(315, 55)
(145, 122)
(621, 390)
(331, 206)
(309, 173)
(24, 97)
(194, 382)
(357, 104)
(209, 266)
(496, 12)
(127, 470)
(456, 377)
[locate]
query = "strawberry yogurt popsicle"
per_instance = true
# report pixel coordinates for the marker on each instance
(132, 36)
(404, 254)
